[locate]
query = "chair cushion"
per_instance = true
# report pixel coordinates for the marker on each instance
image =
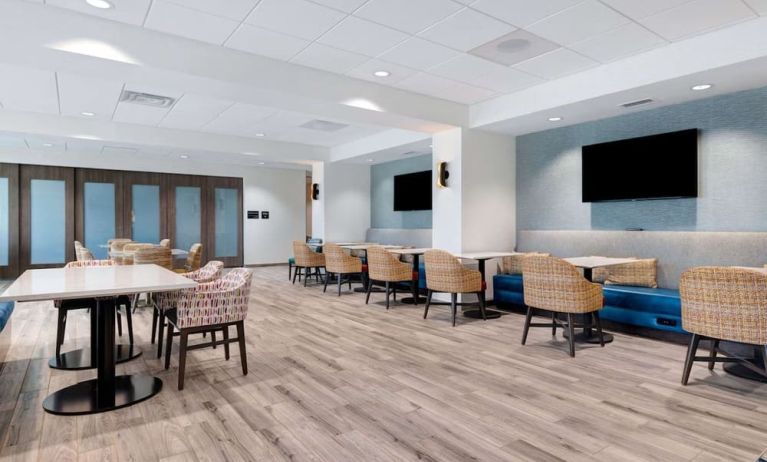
(6, 309)
(640, 273)
(507, 288)
(661, 301)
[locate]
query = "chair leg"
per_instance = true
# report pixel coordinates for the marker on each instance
(394, 293)
(338, 276)
(182, 358)
(598, 322)
(226, 342)
(553, 324)
(526, 329)
(712, 354)
(135, 302)
(119, 320)
(60, 328)
(290, 271)
(428, 302)
(154, 323)
(454, 306)
(213, 337)
(367, 292)
(325, 289)
(306, 272)
(129, 319)
(387, 294)
(571, 334)
(168, 345)
(481, 297)
(691, 350)
(160, 331)
(350, 282)
(243, 353)
(295, 274)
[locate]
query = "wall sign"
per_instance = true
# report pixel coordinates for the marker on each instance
(264, 215)
(252, 214)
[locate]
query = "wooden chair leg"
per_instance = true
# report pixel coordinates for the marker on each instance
(712, 354)
(168, 345)
(213, 337)
(553, 324)
(428, 302)
(387, 294)
(526, 329)
(598, 322)
(243, 353)
(481, 297)
(129, 320)
(61, 326)
(182, 358)
(325, 289)
(454, 306)
(154, 323)
(226, 343)
(367, 292)
(571, 334)
(691, 350)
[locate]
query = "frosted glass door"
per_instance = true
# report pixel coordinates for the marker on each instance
(5, 223)
(188, 225)
(145, 216)
(227, 222)
(48, 222)
(99, 217)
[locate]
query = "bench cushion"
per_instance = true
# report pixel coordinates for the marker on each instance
(507, 288)
(6, 308)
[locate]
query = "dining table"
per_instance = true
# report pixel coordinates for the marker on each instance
(104, 284)
(415, 253)
(481, 258)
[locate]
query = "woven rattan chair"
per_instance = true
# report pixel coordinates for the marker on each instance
(445, 273)
(720, 303)
(116, 246)
(78, 246)
(160, 256)
(553, 285)
(314, 244)
(193, 259)
(307, 261)
(84, 254)
(384, 267)
(341, 265)
(165, 243)
(125, 256)
(211, 307)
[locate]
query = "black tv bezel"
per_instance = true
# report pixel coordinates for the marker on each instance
(394, 191)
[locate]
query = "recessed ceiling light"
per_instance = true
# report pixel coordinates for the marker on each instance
(48, 145)
(101, 4)
(261, 163)
(370, 160)
(184, 156)
(382, 73)
(703, 86)
(260, 135)
(88, 114)
(431, 145)
(554, 119)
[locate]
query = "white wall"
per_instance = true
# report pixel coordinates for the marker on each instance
(318, 205)
(446, 202)
(346, 203)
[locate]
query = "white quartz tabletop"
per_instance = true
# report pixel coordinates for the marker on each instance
(367, 246)
(597, 262)
(401, 251)
(485, 255)
(100, 281)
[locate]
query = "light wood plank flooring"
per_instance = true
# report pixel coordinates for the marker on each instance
(334, 380)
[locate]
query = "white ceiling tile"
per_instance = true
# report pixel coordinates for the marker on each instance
(80, 94)
(178, 20)
(557, 63)
(618, 43)
(522, 13)
(361, 36)
(467, 94)
(132, 113)
(344, 5)
(192, 112)
(232, 9)
(127, 11)
(760, 6)
(298, 18)
(408, 15)
(466, 29)
(696, 17)
(640, 9)
(257, 40)
(578, 23)
(465, 68)
(27, 89)
(45, 143)
(328, 58)
(284, 120)
(240, 119)
(426, 83)
(396, 72)
(506, 80)
(419, 54)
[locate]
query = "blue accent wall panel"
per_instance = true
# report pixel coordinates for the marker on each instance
(732, 167)
(382, 214)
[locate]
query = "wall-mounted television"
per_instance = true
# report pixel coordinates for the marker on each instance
(412, 191)
(651, 167)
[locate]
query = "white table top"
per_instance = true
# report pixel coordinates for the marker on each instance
(402, 251)
(597, 262)
(99, 281)
(485, 255)
(173, 252)
(366, 246)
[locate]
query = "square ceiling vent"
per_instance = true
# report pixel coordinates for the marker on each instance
(147, 99)
(323, 125)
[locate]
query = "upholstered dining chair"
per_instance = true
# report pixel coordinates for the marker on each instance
(193, 259)
(384, 267)
(307, 261)
(165, 243)
(724, 304)
(553, 285)
(210, 307)
(166, 301)
(65, 306)
(445, 273)
(341, 265)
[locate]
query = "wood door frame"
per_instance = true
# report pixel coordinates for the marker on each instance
(11, 171)
(91, 175)
(143, 178)
(27, 173)
(210, 234)
(196, 181)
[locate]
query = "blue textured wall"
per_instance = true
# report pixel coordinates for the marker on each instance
(382, 214)
(732, 170)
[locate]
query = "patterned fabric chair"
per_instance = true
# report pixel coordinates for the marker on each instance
(724, 303)
(306, 261)
(211, 307)
(553, 285)
(166, 301)
(65, 306)
(385, 267)
(445, 273)
(165, 243)
(340, 265)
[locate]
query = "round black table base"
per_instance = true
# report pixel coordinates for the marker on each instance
(409, 300)
(82, 398)
(363, 290)
(583, 337)
(476, 314)
(739, 370)
(77, 360)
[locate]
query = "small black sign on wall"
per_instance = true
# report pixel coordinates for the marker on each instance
(264, 215)
(252, 214)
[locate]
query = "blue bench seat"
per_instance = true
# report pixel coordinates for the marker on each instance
(6, 309)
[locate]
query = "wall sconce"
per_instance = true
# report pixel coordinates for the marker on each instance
(315, 191)
(442, 174)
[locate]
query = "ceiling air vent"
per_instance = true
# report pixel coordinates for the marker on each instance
(323, 125)
(147, 99)
(636, 103)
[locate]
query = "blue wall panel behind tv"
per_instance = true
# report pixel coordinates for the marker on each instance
(382, 214)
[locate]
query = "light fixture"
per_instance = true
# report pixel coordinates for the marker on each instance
(88, 114)
(382, 73)
(370, 160)
(100, 4)
(261, 163)
(362, 103)
(703, 86)
(260, 135)
(315, 191)
(442, 174)
(184, 156)
(554, 119)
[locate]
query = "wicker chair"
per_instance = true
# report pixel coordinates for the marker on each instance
(65, 306)
(314, 244)
(78, 246)
(211, 307)
(193, 259)
(84, 254)
(128, 251)
(166, 301)
(306, 261)
(445, 273)
(384, 267)
(721, 303)
(165, 243)
(340, 265)
(160, 256)
(553, 285)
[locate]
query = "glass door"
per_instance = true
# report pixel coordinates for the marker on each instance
(186, 211)
(225, 222)
(99, 209)
(144, 207)
(9, 220)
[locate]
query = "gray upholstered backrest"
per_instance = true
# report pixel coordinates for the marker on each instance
(420, 238)
(675, 251)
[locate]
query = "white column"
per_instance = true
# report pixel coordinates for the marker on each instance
(342, 212)
(318, 205)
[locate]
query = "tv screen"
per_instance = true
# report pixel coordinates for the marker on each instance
(412, 191)
(651, 167)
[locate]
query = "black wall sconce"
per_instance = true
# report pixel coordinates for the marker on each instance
(442, 174)
(315, 191)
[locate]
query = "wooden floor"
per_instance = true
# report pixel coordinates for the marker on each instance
(334, 380)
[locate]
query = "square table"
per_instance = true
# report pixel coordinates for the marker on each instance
(104, 283)
(481, 258)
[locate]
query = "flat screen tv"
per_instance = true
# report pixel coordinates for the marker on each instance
(651, 167)
(412, 191)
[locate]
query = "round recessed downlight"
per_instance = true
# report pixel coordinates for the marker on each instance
(370, 160)
(554, 119)
(184, 156)
(260, 135)
(100, 4)
(261, 163)
(701, 87)
(47, 145)
(382, 73)
(88, 114)
(513, 45)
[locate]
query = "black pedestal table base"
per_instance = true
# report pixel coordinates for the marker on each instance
(590, 337)
(84, 358)
(84, 398)
(477, 314)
